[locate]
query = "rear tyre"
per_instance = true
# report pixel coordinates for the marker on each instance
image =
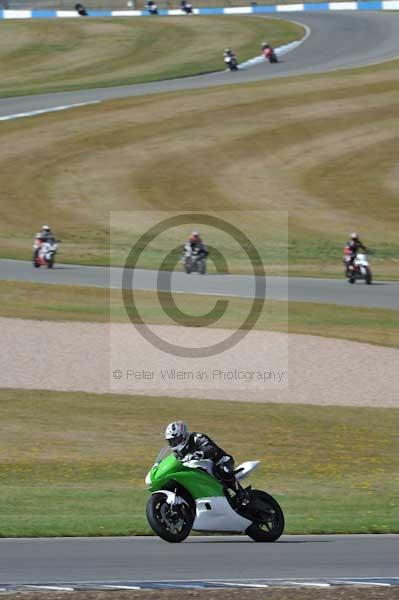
(351, 280)
(269, 524)
(171, 524)
(202, 268)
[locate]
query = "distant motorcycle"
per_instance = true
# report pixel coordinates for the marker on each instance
(194, 261)
(152, 7)
(269, 54)
(45, 256)
(186, 7)
(358, 269)
(231, 62)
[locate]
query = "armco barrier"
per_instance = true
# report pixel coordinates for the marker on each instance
(237, 10)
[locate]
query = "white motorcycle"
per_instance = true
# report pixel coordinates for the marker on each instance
(46, 254)
(359, 269)
(194, 261)
(231, 62)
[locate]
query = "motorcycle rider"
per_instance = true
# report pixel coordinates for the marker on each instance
(195, 244)
(268, 51)
(151, 7)
(230, 55)
(198, 446)
(351, 249)
(186, 7)
(44, 235)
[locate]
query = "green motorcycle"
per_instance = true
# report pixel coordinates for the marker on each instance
(186, 496)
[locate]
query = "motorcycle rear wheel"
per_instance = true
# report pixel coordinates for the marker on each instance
(169, 526)
(269, 525)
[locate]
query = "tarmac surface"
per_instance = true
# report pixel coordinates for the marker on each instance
(300, 289)
(219, 558)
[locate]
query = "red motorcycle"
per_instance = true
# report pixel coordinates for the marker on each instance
(269, 53)
(45, 252)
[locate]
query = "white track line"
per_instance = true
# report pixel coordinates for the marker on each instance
(280, 50)
(121, 587)
(307, 584)
(55, 588)
(42, 111)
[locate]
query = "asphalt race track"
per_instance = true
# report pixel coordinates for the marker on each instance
(338, 40)
(335, 291)
(223, 559)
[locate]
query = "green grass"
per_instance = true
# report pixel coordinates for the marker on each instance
(51, 55)
(313, 157)
(74, 303)
(74, 464)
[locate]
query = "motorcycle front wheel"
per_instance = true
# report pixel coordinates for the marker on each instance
(269, 524)
(172, 524)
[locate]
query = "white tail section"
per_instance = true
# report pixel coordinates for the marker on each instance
(246, 468)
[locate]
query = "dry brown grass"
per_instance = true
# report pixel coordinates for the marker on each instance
(58, 54)
(85, 304)
(321, 148)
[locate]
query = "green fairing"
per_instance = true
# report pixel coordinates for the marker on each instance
(198, 483)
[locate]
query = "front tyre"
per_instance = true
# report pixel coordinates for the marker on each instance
(171, 523)
(188, 266)
(369, 277)
(269, 524)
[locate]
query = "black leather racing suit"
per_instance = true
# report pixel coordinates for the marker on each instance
(201, 446)
(199, 247)
(354, 245)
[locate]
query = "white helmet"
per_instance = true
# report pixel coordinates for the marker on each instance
(177, 435)
(46, 228)
(354, 236)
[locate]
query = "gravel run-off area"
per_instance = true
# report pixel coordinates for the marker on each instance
(263, 367)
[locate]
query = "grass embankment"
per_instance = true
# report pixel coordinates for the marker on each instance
(57, 55)
(74, 464)
(73, 303)
(321, 149)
